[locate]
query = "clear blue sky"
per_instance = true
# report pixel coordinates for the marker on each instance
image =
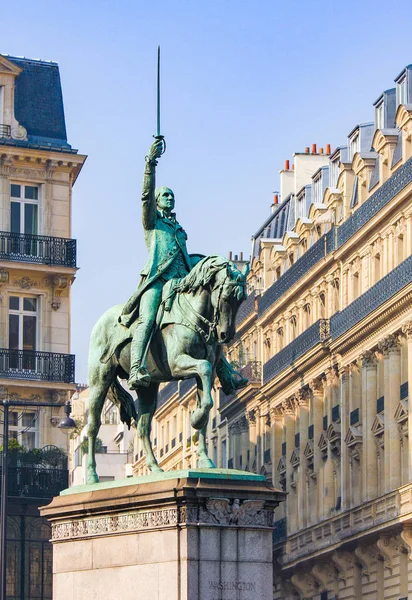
(245, 83)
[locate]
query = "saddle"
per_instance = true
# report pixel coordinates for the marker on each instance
(122, 334)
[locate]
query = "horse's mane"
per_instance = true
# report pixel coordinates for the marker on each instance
(205, 270)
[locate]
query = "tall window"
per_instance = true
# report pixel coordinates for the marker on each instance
(24, 209)
(24, 428)
(22, 330)
(401, 92)
(1, 107)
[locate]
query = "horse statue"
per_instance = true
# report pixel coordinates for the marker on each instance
(196, 317)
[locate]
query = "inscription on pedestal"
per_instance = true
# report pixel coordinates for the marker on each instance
(232, 590)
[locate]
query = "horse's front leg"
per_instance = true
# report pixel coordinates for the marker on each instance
(204, 461)
(187, 366)
(147, 398)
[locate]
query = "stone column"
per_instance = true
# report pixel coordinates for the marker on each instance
(289, 408)
(407, 330)
(345, 278)
(244, 442)
(369, 397)
(276, 423)
(316, 385)
(251, 416)
(344, 416)
(392, 381)
(329, 468)
(302, 399)
(301, 325)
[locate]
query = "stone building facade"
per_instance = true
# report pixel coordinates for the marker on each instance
(38, 169)
(325, 337)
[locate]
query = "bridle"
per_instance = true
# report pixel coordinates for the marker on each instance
(209, 336)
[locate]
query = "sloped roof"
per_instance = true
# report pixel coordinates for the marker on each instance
(38, 101)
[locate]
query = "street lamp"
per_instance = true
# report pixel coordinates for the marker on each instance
(66, 423)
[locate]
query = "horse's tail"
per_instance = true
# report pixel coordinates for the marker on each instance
(124, 401)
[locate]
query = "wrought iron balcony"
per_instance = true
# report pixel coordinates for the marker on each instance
(37, 473)
(38, 366)
(379, 293)
(316, 333)
(302, 266)
(374, 203)
(40, 249)
(5, 130)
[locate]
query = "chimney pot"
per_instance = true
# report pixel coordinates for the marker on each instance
(287, 165)
(293, 167)
(307, 150)
(241, 256)
(313, 148)
(320, 150)
(236, 257)
(230, 255)
(327, 148)
(276, 199)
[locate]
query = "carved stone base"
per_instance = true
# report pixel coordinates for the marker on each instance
(183, 535)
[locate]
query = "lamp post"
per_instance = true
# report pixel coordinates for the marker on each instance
(66, 423)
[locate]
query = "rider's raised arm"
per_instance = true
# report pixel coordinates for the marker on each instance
(149, 185)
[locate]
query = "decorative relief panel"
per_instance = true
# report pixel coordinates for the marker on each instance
(217, 511)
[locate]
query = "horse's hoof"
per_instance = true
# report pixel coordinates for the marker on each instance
(199, 419)
(91, 479)
(155, 469)
(206, 463)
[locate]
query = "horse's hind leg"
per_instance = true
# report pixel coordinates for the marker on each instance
(187, 366)
(147, 398)
(204, 461)
(100, 382)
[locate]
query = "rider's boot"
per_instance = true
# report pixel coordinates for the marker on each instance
(230, 379)
(139, 376)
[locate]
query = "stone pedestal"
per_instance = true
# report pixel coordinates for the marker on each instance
(182, 535)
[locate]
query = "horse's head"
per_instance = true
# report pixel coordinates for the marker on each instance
(228, 291)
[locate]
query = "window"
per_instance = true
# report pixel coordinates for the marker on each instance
(322, 305)
(400, 249)
(24, 207)
(293, 328)
(279, 336)
(401, 92)
(306, 316)
(379, 116)
(377, 266)
(22, 330)
(355, 282)
(354, 145)
(24, 428)
(224, 455)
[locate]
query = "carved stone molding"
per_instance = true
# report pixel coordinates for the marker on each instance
(251, 417)
(406, 537)
(344, 562)
(59, 283)
(305, 584)
(217, 511)
(302, 397)
(369, 360)
(3, 392)
(325, 573)
(344, 373)
(243, 424)
(407, 330)
(289, 406)
(316, 385)
(367, 556)
(390, 345)
(390, 547)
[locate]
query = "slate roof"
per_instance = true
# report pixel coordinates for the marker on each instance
(38, 104)
(273, 227)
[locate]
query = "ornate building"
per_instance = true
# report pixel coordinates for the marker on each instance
(38, 169)
(325, 337)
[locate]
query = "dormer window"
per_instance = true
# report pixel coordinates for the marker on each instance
(379, 116)
(354, 144)
(401, 91)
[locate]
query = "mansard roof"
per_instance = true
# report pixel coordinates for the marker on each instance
(38, 102)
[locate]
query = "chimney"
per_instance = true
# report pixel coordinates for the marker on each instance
(320, 150)
(313, 148)
(230, 255)
(293, 167)
(287, 168)
(327, 148)
(241, 256)
(236, 257)
(276, 199)
(307, 150)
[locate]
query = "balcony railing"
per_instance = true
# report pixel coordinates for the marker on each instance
(33, 365)
(39, 249)
(316, 333)
(379, 293)
(5, 131)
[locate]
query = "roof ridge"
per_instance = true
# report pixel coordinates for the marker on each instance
(26, 59)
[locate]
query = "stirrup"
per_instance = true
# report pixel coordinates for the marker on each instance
(140, 378)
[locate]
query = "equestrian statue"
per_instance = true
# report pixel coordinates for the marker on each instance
(172, 328)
